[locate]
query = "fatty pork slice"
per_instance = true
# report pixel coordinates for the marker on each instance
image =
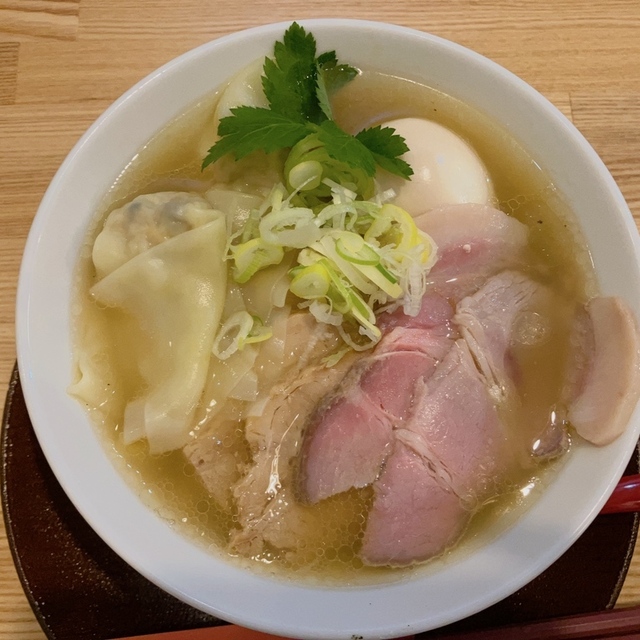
(610, 371)
(474, 242)
(350, 434)
(215, 450)
(458, 431)
(267, 511)
(487, 318)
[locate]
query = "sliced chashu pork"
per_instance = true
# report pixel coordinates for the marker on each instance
(353, 429)
(218, 465)
(487, 318)
(449, 448)
(215, 451)
(349, 436)
(474, 242)
(457, 431)
(408, 495)
(609, 363)
(267, 511)
(449, 443)
(507, 316)
(266, 507)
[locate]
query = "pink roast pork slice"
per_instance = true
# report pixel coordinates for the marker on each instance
(486, 320)
(454, 433)
(474, 242)
(456, 428)
(407, 496)
(349, 435)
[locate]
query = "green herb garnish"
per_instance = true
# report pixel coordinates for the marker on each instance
(298, 84)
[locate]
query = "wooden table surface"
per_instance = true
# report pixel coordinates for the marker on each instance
(62, 62)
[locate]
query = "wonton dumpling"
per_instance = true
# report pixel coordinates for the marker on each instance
(175, 294)
(145, 222)
(244, 89)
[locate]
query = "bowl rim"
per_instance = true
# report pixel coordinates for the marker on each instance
(358, 608)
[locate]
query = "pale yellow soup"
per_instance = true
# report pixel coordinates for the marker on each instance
(169, 484)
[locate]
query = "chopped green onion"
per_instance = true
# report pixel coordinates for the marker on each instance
(238, 330)
(339, 291)
(249, 257)
(327, 247)
(353, 255)
(333, 359)
(384, 280)
(234, 330)
(380, 226)
(333, 172)
(310, 282)
(365, 277)
(306, 175)
(323, 312)
(363, 313)
(259, 332)
(353, 248)
(290, 227)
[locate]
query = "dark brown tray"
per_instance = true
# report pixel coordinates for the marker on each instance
(81, 590)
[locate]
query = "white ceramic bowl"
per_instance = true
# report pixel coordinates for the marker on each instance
(500, 563)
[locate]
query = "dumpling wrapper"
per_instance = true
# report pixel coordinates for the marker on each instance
(145, 222)
(175, 292)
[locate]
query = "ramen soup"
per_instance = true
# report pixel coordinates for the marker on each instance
(320, 371)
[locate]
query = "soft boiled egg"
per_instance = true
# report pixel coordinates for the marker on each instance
(446, 169)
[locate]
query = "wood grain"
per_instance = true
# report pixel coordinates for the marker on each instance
(609, 122)
(27, 19)
(62, 62)
(8, 71)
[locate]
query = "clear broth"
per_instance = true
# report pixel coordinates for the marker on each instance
(171, 161)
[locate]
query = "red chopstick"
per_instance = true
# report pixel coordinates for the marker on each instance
(625, 497)
(616, 624)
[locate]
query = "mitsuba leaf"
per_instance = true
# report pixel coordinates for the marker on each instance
(327, 58)
(346, 148)
(386, 147)
(334, 75)
(322, 94)
(299, 42)
(298, 86)
(289, 80)
(249, 129)
(331, 76)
